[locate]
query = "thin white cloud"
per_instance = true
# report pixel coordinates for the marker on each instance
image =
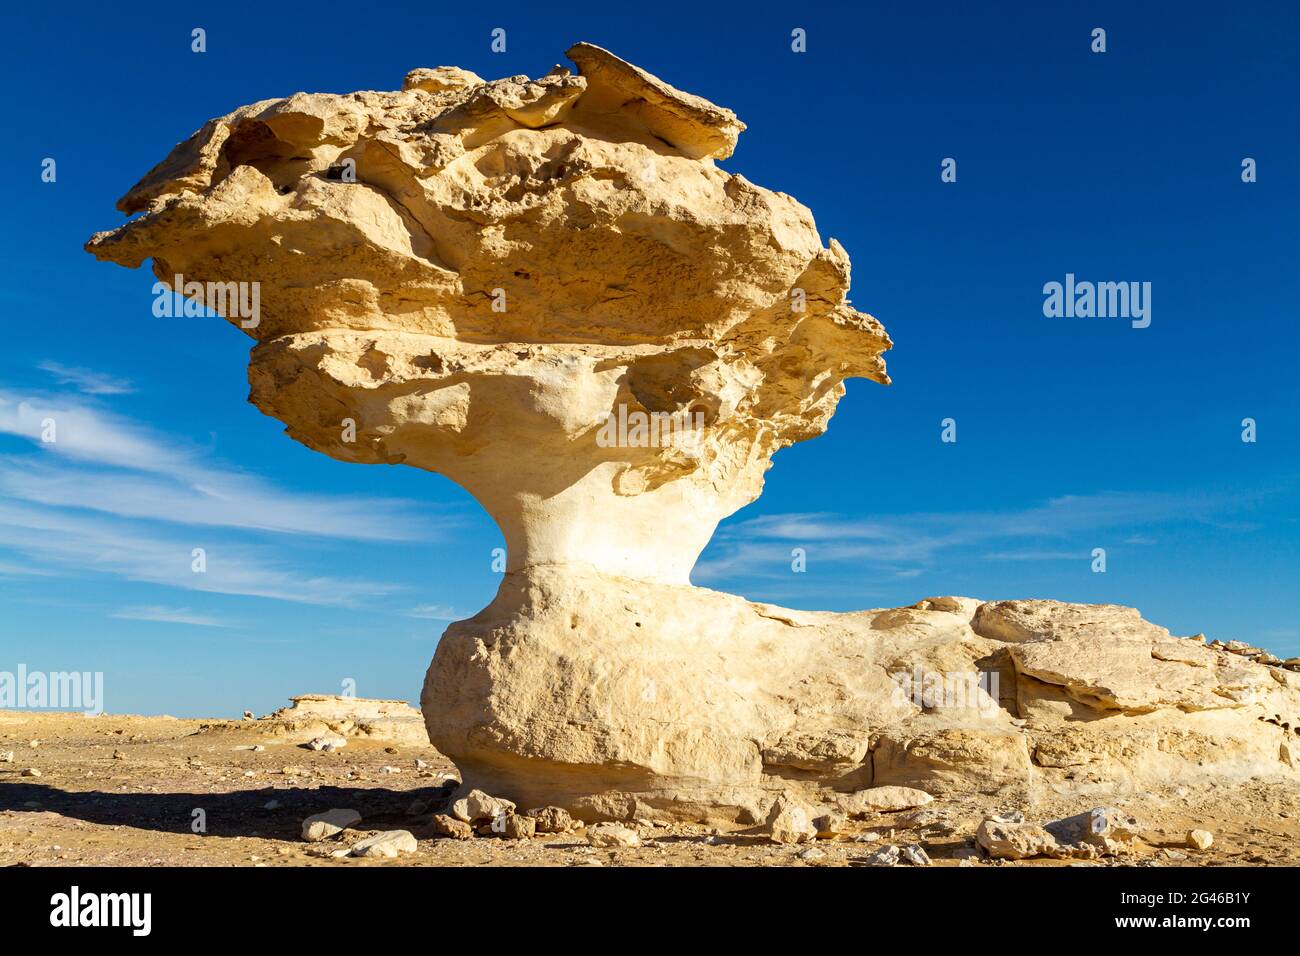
(169, 615)
(1037, 556)
(87, 380)
(105, 463)
(79, 542)
(896, 544)
(436, 612)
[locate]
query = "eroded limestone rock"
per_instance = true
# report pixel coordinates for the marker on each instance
(548, 290)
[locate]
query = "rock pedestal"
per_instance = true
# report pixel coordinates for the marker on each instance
(547, 290)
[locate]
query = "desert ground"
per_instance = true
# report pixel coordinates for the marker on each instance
(123, 790)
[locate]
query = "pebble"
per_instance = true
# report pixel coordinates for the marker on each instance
(1201, 839)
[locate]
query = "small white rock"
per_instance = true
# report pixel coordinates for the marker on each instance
(612, 834)
(323, 825)
(387, 844)
(1201, 839)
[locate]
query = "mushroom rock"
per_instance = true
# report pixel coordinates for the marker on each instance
(547, 290)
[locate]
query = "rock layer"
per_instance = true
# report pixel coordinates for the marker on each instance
(515, 263)
(547, 290)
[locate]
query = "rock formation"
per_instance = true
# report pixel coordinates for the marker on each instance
(548, 291)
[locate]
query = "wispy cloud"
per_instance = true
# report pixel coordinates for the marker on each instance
(87, 380)
(103, 462)
(97, 493)
(85, 543)
(436, 612)
(169, 615)
(903, 545)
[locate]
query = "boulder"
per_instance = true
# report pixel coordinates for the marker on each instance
(322, 826)
(477, 806)
(1015, 841)
(449, 826)
(387, 844)
(612, 835)
(553, 820)
(882, 800)
(790, 822)
(548, 291)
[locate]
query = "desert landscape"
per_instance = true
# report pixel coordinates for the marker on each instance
(159, 791)
(546, 289)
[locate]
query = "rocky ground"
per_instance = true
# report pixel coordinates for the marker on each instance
(124, 790)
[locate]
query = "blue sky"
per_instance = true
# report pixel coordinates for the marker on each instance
(1072, 434)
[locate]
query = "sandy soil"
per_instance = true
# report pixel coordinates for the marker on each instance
(123, 790)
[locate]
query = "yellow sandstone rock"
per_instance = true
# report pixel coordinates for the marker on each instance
(547, 290)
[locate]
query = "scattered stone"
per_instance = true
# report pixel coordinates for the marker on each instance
(1099, 827)
(882, 800)
(321, 826)
(790, 822)
(420, 764)
(515, 826)
(248, 715)
(1201, 839)
(887, 855)
(916, 855)
(449, 826)
(871, 836)
(118, 755)
(612, 835)
(31, 772)
(553, 820)
(7, 756)
(1015, 841)
(387, 844)
(390, 769)
(271, 805)
(327, 743)
(829, 825)
(811, 853)
(1175, 855)
(477, 806)
(417, 807)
